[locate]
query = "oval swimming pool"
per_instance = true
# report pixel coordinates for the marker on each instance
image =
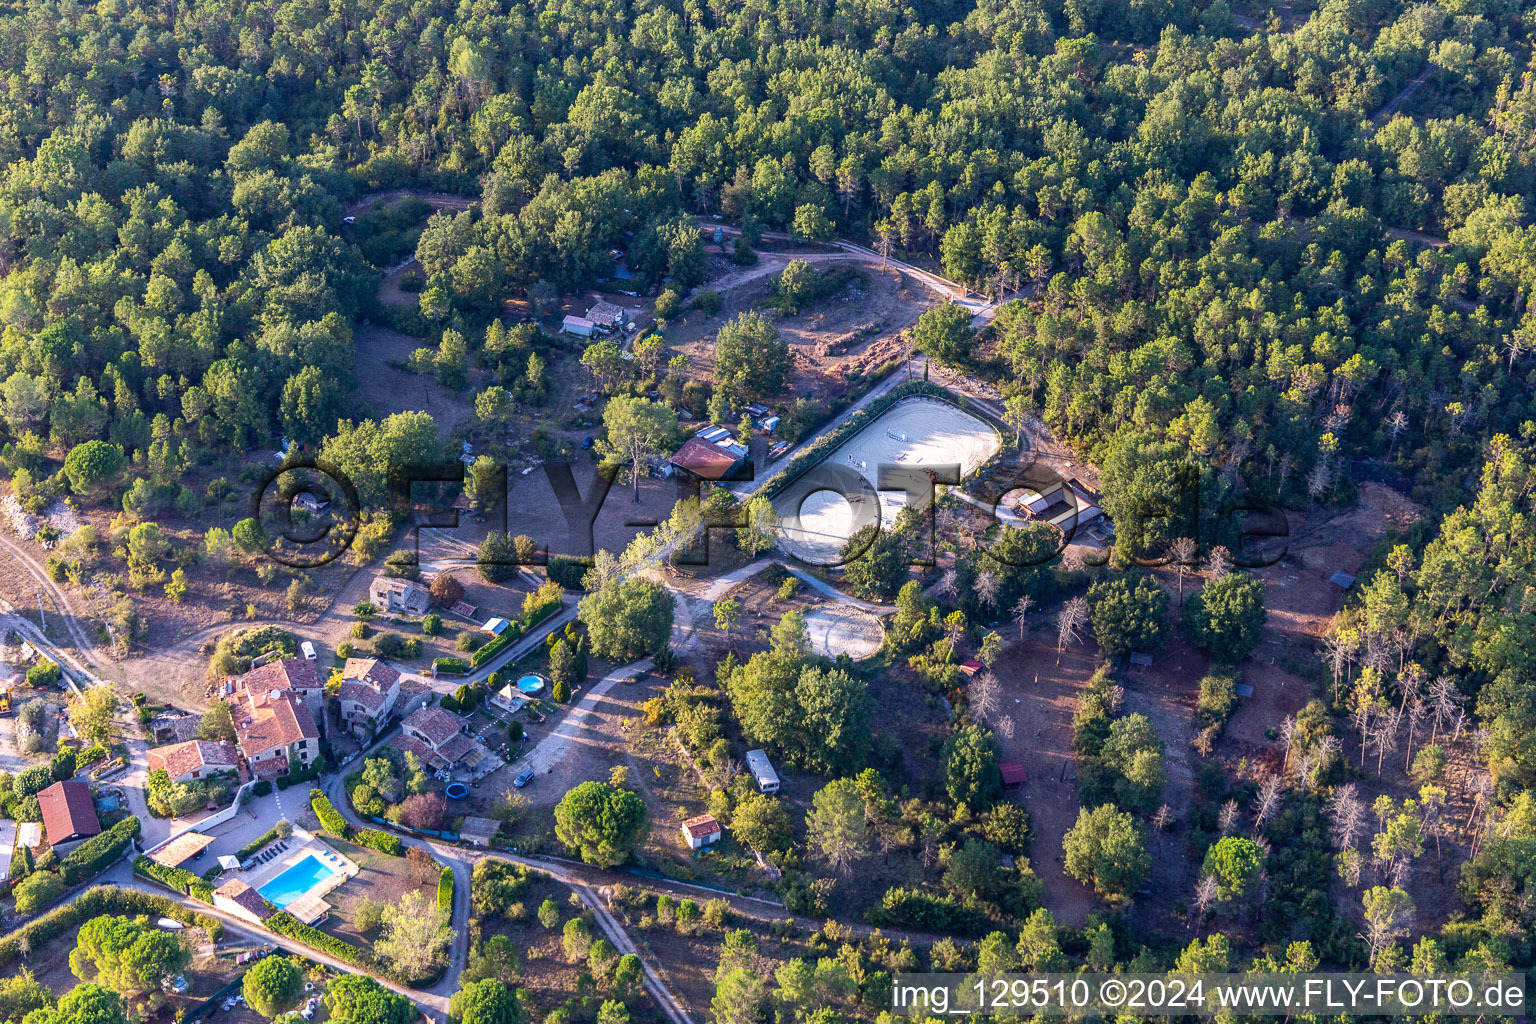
(456, 791)
(531, 684)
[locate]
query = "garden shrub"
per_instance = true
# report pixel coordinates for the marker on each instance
(92, 856)
(384, 842)
(94, 902)
(330, 818)
(177, 879)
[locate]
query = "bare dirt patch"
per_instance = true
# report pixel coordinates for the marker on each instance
(1041, 692)
(842, 629)
(436, 200)
(391, 390)
(833, 342)
(391, 291)
(533, 509)
(548, 977)
(381, 878)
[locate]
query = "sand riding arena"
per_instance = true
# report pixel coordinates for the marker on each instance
(835, 498)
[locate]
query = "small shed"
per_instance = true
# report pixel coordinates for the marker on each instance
(762, 771)
(1013, 773)
(701, 831)
(479, 831)
(1342, 580)
(970, 666)
(578, 325)
(495, 627)
(605, 314)
(1141, 659)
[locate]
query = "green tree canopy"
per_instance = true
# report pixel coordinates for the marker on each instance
(751, 359)
(1127, 613)
(600, 821)
(359, 999)
(1105, 849)
(971, 774)
(274, 985)
(1235, 862)
(487, 1001)
(126, 955)
(1225, 617)
(627, 619)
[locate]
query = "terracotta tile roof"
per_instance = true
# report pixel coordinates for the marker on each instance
(180, 758)
(68, 811)
(456, 749)
(410, 687)
(274, 721)
(411, 745)
(704, 459)
(435, 725)
(370, 670)
(237, 891)
(275, 765)
(361, 693)
(1013, 773)
(287, 674)
(703, 825)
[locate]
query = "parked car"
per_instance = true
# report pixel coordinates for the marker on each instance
(309, 649)
(523, 779)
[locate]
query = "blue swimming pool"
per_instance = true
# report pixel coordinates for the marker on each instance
(296, 881)
(531, 684)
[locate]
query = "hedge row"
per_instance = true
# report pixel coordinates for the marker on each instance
(284, 923)
(823, 446)
(92, 856)
(94, 902)
(374, 839)
(515, 631)
(176, 879)
(499, 643)
(916, 910)
(330, 818)
(450, 666)
(269, 836)
(445, 890)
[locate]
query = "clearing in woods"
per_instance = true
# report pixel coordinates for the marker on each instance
(815, 523)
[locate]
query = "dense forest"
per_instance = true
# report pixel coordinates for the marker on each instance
(1205, 209)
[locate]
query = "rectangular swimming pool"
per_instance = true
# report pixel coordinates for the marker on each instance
(296, 881)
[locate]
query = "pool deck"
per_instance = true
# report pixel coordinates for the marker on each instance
(306, 845)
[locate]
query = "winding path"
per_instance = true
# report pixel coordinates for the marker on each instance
(982, 308)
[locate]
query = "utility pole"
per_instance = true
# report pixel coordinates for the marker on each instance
(40, 613)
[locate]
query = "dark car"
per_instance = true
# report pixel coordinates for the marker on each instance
(523, 779)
